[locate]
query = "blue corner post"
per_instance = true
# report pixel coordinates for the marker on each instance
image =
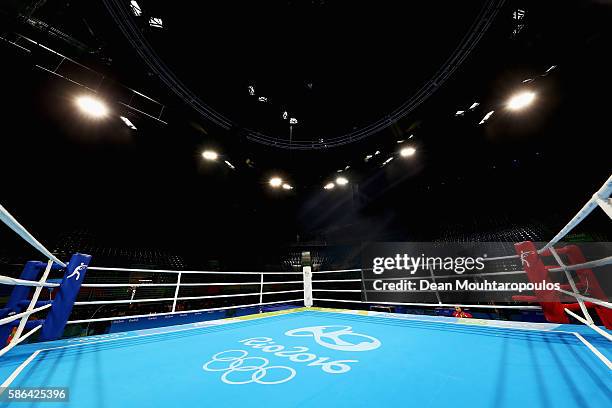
(56, 319)
(31, 271)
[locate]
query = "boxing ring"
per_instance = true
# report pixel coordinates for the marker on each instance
(306, 355)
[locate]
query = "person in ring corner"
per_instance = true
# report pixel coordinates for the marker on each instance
(460, 313)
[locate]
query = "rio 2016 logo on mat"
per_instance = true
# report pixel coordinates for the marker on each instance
(237, 362)
(332, 339)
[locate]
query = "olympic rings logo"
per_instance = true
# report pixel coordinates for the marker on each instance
(234, 362)
(332, 337)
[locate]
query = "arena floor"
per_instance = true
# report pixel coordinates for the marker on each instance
(393, 360)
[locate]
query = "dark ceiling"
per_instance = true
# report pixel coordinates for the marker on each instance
(334, 66)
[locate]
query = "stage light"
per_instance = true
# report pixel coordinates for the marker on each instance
(486, 117)
(92, 106)
(459, 113)
(127, 122)
(230, 165)
(341, 181)
(276, 182)
(210, 155)
(156, 22)
(387, 161)
(293, 121)
(136, 10)
(551, 68)
(474, 106)
(287, 186)
(521, 100)
(329, 186)
(407, 151)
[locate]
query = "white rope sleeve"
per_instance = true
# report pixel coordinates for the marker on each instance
(13, 224)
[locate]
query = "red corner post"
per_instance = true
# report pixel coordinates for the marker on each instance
(536, 272)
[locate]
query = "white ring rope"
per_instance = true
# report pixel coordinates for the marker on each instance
(153, 285)
(591, 325)
(6, 280)
(19, 340)
(100, 268)
(500, 258)
(336, 280)
(110, 302)
(434, 304)
(587, 265)
(587, 299)
(106, 319)
(344, 270)
(600, 198)
(13, 224)
(337, 290)
(26, 313)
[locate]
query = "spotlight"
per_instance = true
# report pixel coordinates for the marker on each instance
(287, 186)
(127, 122)
(276, 182)
(210, 155)
(407, 151)
(486, 117)
(341, 181)
(329, 186)
(92, 106)
(387, 161)
(521, 100)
